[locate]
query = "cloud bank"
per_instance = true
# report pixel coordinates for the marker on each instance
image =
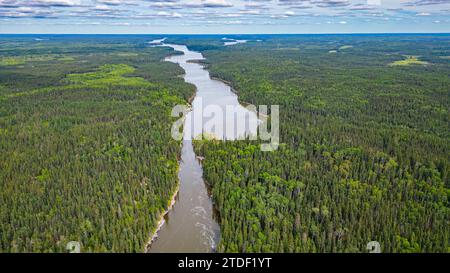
(199, 13)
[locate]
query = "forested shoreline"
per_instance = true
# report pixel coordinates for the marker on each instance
(87, 153)
(364, 145)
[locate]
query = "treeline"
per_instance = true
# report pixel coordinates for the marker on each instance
(364, 153)
(86, 151)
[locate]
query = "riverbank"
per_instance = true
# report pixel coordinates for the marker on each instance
(161, 221)
(191, 225)
(234, 91)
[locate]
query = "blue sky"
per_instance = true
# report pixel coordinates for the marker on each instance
(224, 16)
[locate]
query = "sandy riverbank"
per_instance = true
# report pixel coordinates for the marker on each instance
(161, 221)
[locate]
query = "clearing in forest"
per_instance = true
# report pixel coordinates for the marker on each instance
(410, 60)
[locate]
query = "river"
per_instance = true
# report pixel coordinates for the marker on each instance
(230, 42)
(191, 224)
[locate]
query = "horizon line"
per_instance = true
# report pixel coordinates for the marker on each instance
(325, 33)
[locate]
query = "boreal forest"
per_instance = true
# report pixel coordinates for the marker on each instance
(86, 152)
(364, 151)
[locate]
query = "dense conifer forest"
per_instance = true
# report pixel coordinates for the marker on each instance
(87, 155)
(364, 152)
(86, 151)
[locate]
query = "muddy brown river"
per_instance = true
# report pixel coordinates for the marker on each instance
(191, 226)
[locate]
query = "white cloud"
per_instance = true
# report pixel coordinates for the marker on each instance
(249, 12)
(163, 13)
(102, 7)
(176, 14)
(169, 14)
(56, 2)
(289, 13)
(216, 3)
(196, 12)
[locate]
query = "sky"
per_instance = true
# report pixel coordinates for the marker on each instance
(224, 16)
